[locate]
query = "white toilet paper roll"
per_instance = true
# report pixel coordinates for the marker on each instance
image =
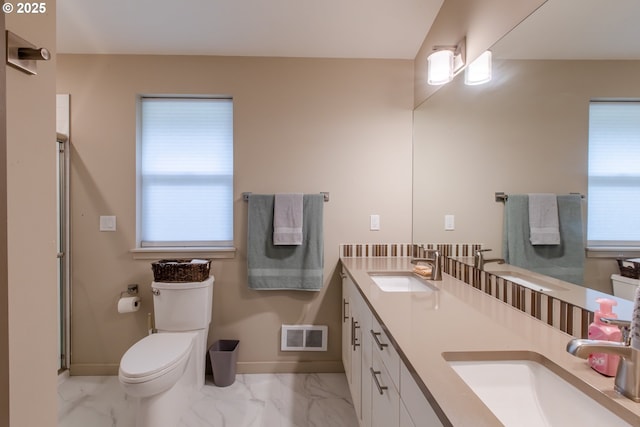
(128, 304)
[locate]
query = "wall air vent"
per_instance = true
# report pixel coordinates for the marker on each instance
(304, 338)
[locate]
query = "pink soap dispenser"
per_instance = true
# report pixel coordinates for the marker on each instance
(606, 364)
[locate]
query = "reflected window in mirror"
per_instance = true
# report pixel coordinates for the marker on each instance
(614, 175)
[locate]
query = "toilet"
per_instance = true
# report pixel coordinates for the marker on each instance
(162, 369)
(624, 287)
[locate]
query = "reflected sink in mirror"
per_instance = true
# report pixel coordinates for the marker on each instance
(522, 390)
(400, 282)
(527, 281)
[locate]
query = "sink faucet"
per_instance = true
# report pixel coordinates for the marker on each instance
(436, 269)
(627, 380)
(479, 261)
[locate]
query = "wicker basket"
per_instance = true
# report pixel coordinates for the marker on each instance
(626, 270)
(180, 270)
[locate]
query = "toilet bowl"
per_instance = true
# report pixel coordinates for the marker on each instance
(624, 287)
(155, 363)
(160, 371)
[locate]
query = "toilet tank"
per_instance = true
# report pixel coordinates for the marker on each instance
(182, 306)
(624, 287)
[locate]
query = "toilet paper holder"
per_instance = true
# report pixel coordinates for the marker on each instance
(131, 290)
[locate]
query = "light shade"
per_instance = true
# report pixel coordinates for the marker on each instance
(479, 71)
(440, 67)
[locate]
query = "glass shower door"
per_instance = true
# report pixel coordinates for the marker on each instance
(63, 253)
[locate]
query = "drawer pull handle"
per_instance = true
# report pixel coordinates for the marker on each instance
(345, 315)
(354, 338)
(380, 345)
(374, 374)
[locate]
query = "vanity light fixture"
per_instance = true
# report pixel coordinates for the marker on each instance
(445, 62)
(479, 71)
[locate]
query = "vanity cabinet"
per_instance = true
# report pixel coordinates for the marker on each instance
(383, 391)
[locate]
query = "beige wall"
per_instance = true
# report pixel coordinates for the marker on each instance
(526, 131)
(482, 22)
(342, 126)
(31, 224)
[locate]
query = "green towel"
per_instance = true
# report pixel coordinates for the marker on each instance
(272, 267)
(564, 261)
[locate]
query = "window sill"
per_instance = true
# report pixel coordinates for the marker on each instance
(206, 252)
(612, 252)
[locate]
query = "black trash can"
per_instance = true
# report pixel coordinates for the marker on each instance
(224, 355)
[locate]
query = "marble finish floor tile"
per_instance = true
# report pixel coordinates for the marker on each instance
(253, 400)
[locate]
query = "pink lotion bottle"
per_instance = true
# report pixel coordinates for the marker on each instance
(606, 364)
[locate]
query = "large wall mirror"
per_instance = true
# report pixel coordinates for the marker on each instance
(526, 131)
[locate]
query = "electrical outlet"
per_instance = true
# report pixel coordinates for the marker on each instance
(374, 222)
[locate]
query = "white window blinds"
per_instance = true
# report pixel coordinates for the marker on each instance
(185, 170)
(614, 175)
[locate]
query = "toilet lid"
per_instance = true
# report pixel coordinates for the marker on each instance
(155, 353)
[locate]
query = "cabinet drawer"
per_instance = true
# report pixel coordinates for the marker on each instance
(385, 400)
(382, 346)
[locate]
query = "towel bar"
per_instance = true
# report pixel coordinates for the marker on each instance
(501, 197)
(245, 196)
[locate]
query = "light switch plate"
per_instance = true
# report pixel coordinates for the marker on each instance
(107, 223)
(374, 222)
(449, 222)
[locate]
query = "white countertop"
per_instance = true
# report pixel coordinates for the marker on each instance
(460, 318)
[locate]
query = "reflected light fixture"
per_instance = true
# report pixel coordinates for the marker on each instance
(445, 62)
(479, 71)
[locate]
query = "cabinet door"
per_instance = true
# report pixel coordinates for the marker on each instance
(346, 329)
(356, 364)
(368, 387)
(385, 400)
(352, 341)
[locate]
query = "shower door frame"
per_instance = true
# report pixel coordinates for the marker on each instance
(64, 234)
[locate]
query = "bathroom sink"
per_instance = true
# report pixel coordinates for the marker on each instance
(400, 282)
(536, 284)
(523, 390)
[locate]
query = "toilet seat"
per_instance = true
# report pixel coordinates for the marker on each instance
(154, 356)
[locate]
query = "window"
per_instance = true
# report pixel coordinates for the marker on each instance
(614, 175)
(185, 172)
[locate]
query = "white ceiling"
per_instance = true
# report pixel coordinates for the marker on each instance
(280, 28)
(576, 29)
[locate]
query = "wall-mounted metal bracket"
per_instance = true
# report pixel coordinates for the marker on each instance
(131, 290)
(23, 55)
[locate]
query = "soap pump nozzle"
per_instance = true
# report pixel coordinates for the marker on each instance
(606, 309)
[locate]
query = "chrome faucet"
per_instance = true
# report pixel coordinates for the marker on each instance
(434, 262)
(627, 380)
(479, 261)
